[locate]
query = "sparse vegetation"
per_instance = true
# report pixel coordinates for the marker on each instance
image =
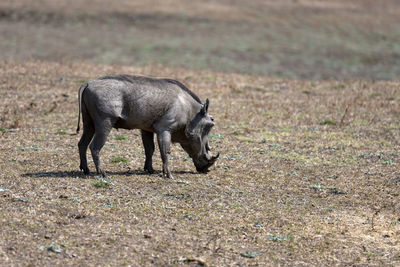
(291, 39)
(285, 189)
(251, 254)
(118, 160)
(308, 172)
(327, 122)
(373, 95)
(61, 132)
(279, 238)
(120, 138)
(102, 183)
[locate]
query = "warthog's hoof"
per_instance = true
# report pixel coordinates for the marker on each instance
(85, 170)
(168, 175)
(149, 169)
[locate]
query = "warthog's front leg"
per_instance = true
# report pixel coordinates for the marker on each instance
(164, 142)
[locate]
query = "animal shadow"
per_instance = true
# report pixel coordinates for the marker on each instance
(81, 175)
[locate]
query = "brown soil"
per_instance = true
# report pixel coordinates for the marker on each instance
(308, 175)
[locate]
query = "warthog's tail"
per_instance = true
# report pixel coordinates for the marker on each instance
(81, 89)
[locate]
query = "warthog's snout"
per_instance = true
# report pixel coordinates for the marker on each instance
(204, 164)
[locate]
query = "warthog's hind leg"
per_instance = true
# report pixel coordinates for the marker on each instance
(87, 135)
(148, 143)
(99, 139)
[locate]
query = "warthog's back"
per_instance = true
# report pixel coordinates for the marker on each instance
(138, 102)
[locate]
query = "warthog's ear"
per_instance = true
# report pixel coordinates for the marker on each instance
(204, 109)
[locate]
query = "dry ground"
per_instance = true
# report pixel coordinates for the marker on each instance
(308, 175)
(301, 39)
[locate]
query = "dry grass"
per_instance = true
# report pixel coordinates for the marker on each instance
(308, 175)
(304, 39)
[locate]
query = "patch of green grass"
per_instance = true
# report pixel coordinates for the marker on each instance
(388, 162)
(118, 160)
(3, 130)
(320, 186)
(102, 184)
(120, 137)
(339, 86)
(231, 157)
(216, 136)
(327, 122)
(279, 238)
(61, 132)
(374, 95)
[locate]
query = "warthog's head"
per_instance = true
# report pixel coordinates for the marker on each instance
(197, 133)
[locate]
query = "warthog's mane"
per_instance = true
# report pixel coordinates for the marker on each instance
(134, 79)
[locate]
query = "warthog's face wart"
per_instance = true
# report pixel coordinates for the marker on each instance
(197, 133)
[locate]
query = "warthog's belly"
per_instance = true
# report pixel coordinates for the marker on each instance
(134, 124)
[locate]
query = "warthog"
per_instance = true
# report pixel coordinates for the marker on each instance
(162, 106)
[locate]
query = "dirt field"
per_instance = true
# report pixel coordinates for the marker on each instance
(309, 172)
(300, 39)
(308, 175)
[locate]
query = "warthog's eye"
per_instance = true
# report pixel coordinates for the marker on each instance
(209, 121)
